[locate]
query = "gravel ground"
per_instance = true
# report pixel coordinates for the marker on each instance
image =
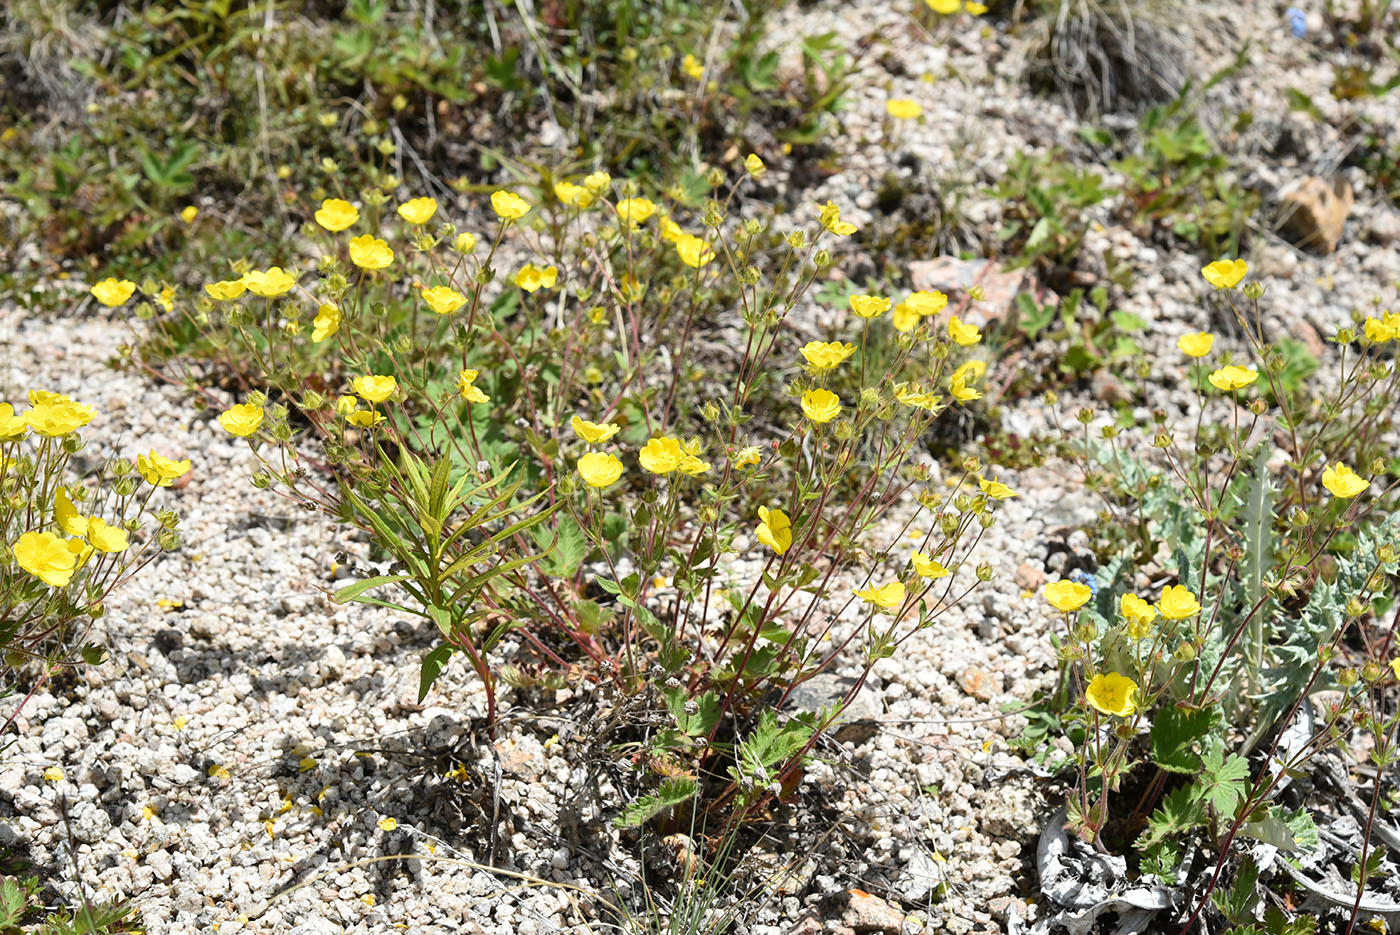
(261, 738)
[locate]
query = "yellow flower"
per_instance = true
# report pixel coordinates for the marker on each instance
(599, 469)
(106, 538)
(1378, 331)
(532, 278)
(962, 333)
(869, 306)
(886, 598)
(66, 515)
(159, 470)
(269, 283)
(1232, 378)
(774, 529)
(901, 108)
(46, 557)
(166, 298)
(509, 206)
(597, 182)
(1197, 344)
(904, 318)
(754, 166)
(971, 370)
(227, 290)
(113, 292)
(55, 415)
(670, 230)
(12, 427)
(242, 420)
(443, 299)
(693, 465)
(188, 213)
(325, 324)
(747, 457)
(821, 405)
(826, 355)
(465, 243)
(336, 214)
(635, 210)
(662, 455)
(831, 219)
(593, 432)
(1225, 274)
(1177, 603)
(694, 252)
(1343, 482)
(975, 8)
(345, 405)
(630, 288)
(927, 303)
(1113, 694)
(369, 252)
(926, 567)
(995, 489)
(944, 7)
(913, 394)
(1067, 596)
(418, 210)
(466, 386)
(374, 388)
(1139, 615)
(573, 195)
(364, 418)
(388, 824)
(692, 67)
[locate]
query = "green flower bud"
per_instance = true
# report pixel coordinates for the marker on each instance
(168, 539)
(124, 486)
(1347, 677)
(120, 467)
(1184, 653)
(1371, 673)
(822, 259)
(797, 240)
(1253, 289)
(73, 443)
(262, 480)
(985, 573)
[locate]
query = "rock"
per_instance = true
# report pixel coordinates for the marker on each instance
(955, 277)
(919, 878)
(1109, 389)
(1030, 576)
(979, 683)
(1382, 225)
(159, 862)
(864, 913)
(1313, 214)
(1002, 906)
(1304, 332)
(859, 722)
(809, 924)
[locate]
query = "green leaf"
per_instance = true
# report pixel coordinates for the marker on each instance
(1287, 831)
(570, 548)
(1222, 780)
(1175, 731)
(433, 664)
(706, 716)
(671, 792)
(12, 903)
(351, 592)
(1179, 811)
(769, 745)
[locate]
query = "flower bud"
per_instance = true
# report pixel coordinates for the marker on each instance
(715, 177)
(1162, 440)
(1385, 554)
(1085, 632)
(124, 486)
(168, 539)
(1347, 677)
(1085, 415)
(73, 443)
(1355, 607)
(1371, 673)
(797, 240)
(822, 259)
(1254, 289)
(1184, 653)
(120, 467)
(985, 573)
(262, 480)
(312, 400)
(1258, 406)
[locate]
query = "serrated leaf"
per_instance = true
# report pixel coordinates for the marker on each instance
(1222, 780)
(1287, 831)
(570, 548)
(1179, 811)
(671, 792)
(1175, 731)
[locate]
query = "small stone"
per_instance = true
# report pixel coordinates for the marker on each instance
(1303, 331)
(1313, 214)
(979, 683)
(1030, 576)
(865, 913)
(159, 862)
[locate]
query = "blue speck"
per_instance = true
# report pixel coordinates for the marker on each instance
(1297, 20)
(1080, 576)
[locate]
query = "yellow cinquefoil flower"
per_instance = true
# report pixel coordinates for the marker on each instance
(46, 557)
(957, 384)
(241, 420)
(532, 278)
(1112, 694)
(325, 324)
(1343, 482)
(269, 283)
(754, 166)
(443, 299)
(467, 388)
(1177, 603)
(509, 206)
(1225, 274)
(962, 333)
(374, 388)
(944, 7)
(55, 415)
(995, 489)
(887, 597)
(159, 470)
(826, 355)
(599, 469)
(831, 219)
(364, 418)
(926, 303)
(1139, 615)
(662, 455)
(913, 394)
(746, 457)
(692, 66)
(188, 213)
(821, 405)
(576, 196)
(635, 211)
(869, 306)
(113, 292)
(465, 243)
(12, 427)
(1232, 378)
(165, 298)
(66, 515)
(694, 252)
(336, 214)
(774, 529)
(418, 210)
(105, 538)
(904, 318)
(975, 8)
(901, 108)
(1067, 596)
(597, 182)
(1197, 344)
(369, 252)
(926, 567)
(670, 230)
(346, 405)
(227, 290)
(593, 432)
(1378, 331)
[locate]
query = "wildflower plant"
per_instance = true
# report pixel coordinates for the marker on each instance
(69, 542)
(524, 417)
(1254, 560)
